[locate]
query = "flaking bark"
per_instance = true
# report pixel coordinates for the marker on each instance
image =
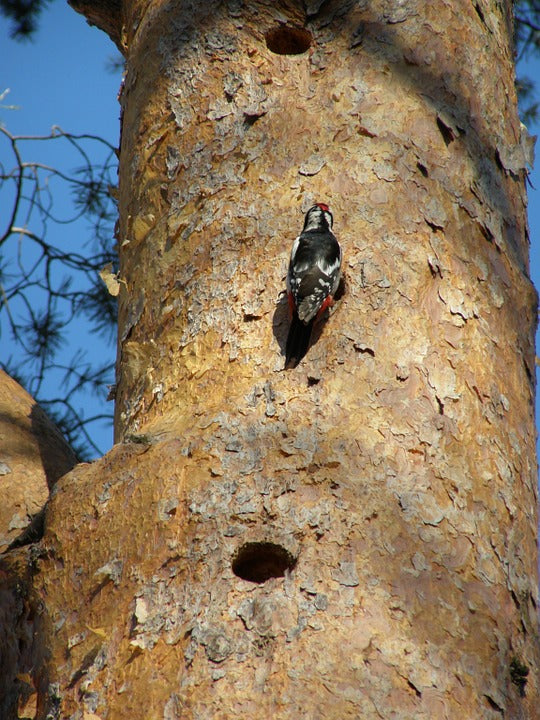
(354, 537)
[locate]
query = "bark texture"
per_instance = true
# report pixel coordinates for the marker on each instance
(33, 455)
(354, 538)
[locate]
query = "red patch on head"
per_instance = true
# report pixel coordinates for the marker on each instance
(323, 206)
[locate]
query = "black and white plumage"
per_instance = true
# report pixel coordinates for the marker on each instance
(312, 279)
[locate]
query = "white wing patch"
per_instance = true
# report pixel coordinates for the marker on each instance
(295, 247)
(293, 253)
(326, 268)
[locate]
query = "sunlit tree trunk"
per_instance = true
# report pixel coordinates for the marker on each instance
(354, 538)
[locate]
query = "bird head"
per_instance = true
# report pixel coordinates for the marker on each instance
(318, 217)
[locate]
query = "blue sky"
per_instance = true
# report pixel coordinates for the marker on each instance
(60, 78)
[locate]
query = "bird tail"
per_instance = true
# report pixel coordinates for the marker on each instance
(297, 341)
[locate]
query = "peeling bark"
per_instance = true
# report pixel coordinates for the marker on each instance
(356, 537)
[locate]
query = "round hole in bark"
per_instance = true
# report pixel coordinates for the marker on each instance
(260, 561)
(288, 40)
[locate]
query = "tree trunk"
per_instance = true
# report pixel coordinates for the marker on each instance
(33, 456)
(354, 538)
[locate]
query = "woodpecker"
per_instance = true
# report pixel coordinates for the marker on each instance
(312, 279)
